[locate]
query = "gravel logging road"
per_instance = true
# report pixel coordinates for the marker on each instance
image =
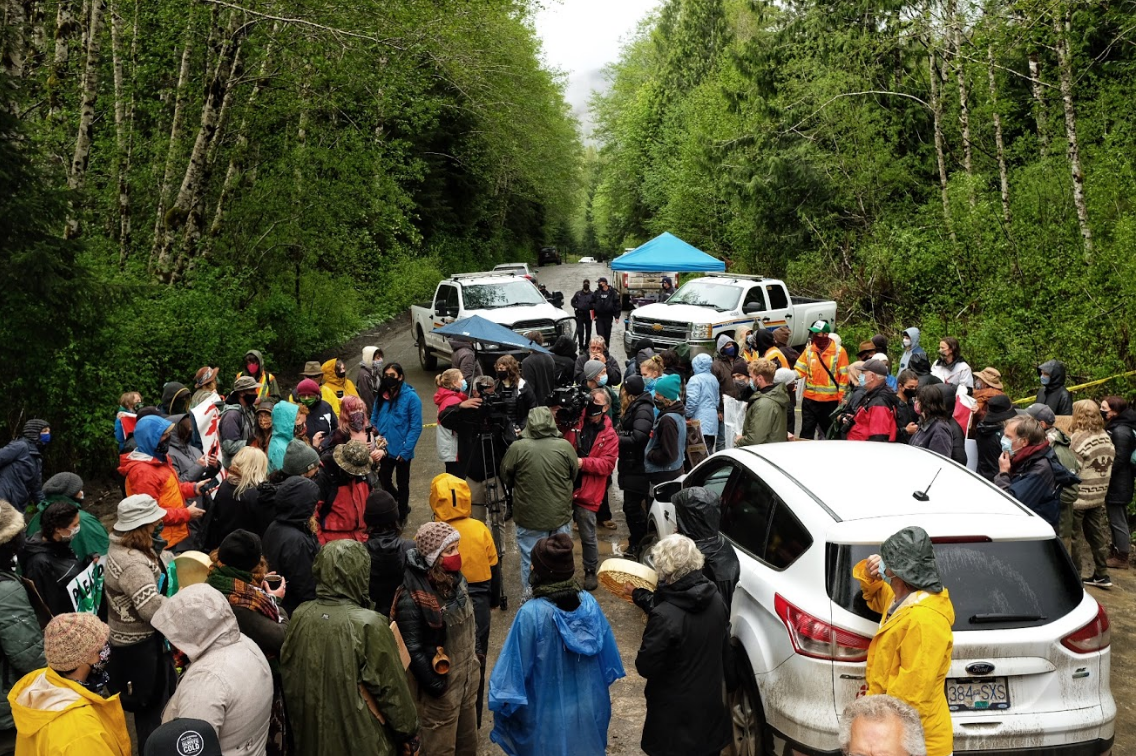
(628, 707)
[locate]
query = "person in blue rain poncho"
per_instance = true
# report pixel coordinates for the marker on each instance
(549, 688)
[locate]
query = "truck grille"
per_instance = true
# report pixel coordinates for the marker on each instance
(546, 328)
(665, 329)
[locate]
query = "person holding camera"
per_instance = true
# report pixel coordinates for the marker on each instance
(484, 433)
(514, 390)
(597, 447)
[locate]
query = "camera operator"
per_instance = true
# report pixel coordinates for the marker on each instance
(485, 432)
(518, 396)
(597, 447)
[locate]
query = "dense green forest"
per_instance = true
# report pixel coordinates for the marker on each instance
(182, 181)
(963, 166)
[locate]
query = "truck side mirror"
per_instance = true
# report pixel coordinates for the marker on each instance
(557, 298)
(753, 308)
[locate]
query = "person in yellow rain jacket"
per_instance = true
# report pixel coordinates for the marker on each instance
(59, 710)
(451, 501)
(336, 384)
(911, 653)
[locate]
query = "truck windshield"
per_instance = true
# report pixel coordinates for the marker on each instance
(722, 297)
(519, 291)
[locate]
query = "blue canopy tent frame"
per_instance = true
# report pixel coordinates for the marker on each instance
(668, 252)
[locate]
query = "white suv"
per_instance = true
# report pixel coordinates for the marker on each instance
(1030, 668)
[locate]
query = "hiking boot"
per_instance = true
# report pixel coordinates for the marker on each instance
(1118, 562)
(590, 582)
(1097, 582)
(609, 524)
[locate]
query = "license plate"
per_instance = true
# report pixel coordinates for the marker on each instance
(978, 694)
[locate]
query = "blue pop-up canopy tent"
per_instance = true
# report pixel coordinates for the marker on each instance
(670, 253)
(477, 328)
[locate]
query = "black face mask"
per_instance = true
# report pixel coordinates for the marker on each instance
(390, 382)
(162, 447)
(502, 375)
(340, 373)
(248, 399)
(660, 406)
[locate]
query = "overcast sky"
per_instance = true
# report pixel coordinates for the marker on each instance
(582, 36)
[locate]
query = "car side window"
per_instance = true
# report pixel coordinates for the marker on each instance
(746, 511)
(713, 476)
(788, 538)
(752, 296)
(778, 298)
(446, 299)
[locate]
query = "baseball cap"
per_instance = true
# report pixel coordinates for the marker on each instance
(183, 737)
(1042, 413)
(601, 279)
(875, 366)
(821, 326)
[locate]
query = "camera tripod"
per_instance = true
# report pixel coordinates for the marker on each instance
(498, 504)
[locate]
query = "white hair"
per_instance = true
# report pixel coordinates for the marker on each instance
(599, 341)
(879, 708)
(676, 556)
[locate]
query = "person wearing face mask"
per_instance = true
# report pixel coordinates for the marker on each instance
(237, 426)
(1120, 424)
(289, 544)
(346, 478)
(464, 358)
(47, 559)
(988, 434)
(765, 418)
(910, 654)
(765, 345)
(597, 448)
(652, 370)
(874, 419)
(354, 425)
(910, 348)
(515, 391)
(128, 404)
(67, 487)
(192, 466)
(336, 384)
(435, 614)
(148, 470)
(452, 391)
(951, 368)
(1053, 393)
(643, 350)
(21, 636)
(582, 304)
(63, 709)
(256, 369)
(605, 307)
(723, 366)
(987, 385)
(398, 419)
(824, 366)
(703, 398)
(369, 375)
(666, 450)
(597, 350)
(636, 419)
(284, 420)
(596, 377)
(933, 430)
(21, 466)
(1029, 470)
(321, 421)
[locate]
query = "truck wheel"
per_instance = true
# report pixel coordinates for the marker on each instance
(645, 547)
(427, 358)
(747, 714)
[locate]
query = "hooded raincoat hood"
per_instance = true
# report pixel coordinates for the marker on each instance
(723, 341)
(197, 618)
(541, 424)
(333, 385)
(368, 356)
(56, 715)
(172, 393)
(450, 498)
(583, 630)
(913, 334)
(148, 433)
(911, 557)
(283, 431)
(702, 363)
(296, 500)
(1056, 370)
(343, 572)
(259, 361)
(698, 512)
(565, 346)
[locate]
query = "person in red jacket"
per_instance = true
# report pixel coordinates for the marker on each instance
(597, 446)
(148, 471)
(874, 419)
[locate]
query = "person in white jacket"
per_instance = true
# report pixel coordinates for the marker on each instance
(228, 682)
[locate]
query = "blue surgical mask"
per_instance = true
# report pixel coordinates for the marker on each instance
(1007, 445)
(45, 438)
(649, 383)
(1044, 380)
(863, 379)
(602, 380)
(883, 572)
(465, 386)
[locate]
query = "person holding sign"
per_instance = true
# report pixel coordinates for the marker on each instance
(48, 561)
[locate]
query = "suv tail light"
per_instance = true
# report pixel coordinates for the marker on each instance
(816, 638)
(1094, 636)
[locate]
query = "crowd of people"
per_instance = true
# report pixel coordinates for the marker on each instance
(315, 626)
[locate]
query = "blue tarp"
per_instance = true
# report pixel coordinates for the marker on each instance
(667, 252)
(477, 328)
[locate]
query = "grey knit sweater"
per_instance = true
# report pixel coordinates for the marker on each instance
(1096, 454)
(131, 585)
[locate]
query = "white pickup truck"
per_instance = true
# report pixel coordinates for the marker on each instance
(508, 300)
(708, 307)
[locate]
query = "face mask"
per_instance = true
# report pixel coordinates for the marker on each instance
(943, 354)
(340, 372)
(1045, 380)
(649, 383)
(1007, 446)
(248, 399)
(376, 365)
(252, 367)
(299, 431)
(660, 405)
(863, 380)
(356, 421)
(587, 287)
(743, 385)
(390, 382)
(45, 438)
(751, 342)
(71, 534)
(883, 572)
(502, 375)
(309, 401)
(907, 343)
(594, 410)
(464, 386)
(1104, 415)
(452, 563)
(162, 447)
(156, 541)
(730, 351)
(602, 380)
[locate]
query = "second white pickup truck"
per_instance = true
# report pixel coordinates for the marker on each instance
(719, 304)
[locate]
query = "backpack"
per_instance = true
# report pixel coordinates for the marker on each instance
(1067, 485)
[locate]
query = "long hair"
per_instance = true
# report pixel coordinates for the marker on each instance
(141, 539)
(931, 404)
(251, 466)
(1086, 417)
(258, 572)
(1115, 403)
(444, 582)
(956, 350)
(509, 364)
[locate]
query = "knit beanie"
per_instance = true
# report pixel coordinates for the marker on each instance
(70, 640)
(668, 387)
(63, 484)
(552, 559)
(433, 538)
(307, 387)
(381, 509)
(299, 458)
(785, 375)
(32, 429)
(593, 368)
(240, 550)
(634, 385)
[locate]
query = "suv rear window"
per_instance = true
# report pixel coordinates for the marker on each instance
(993, 586)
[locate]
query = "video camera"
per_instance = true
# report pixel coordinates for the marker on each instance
(571, 401)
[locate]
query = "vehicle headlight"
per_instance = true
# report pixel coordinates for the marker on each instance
(564, 327)
(701, 330)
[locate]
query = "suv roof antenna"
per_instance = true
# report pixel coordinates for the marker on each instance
(922, 495)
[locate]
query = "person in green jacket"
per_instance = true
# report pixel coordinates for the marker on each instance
(765, 418)
(541, 469)
(92, 539)
(21, 640)
(341, 666)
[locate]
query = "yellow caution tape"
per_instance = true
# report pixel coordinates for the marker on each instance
(1090, 384)
(430, 425)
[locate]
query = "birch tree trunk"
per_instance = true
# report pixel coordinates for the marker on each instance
(78, 173)
(15, 21)
(937, 113)
(1003, 175)
(1065, 66)
(1039, 103)
(964, 108)
(65, 28)
(171, 150)
(123, 128)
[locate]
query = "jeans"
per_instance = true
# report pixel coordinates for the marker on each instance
(816, 414)
(1091, 525)
(526, 541)
(395, 477)
(586, 522)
